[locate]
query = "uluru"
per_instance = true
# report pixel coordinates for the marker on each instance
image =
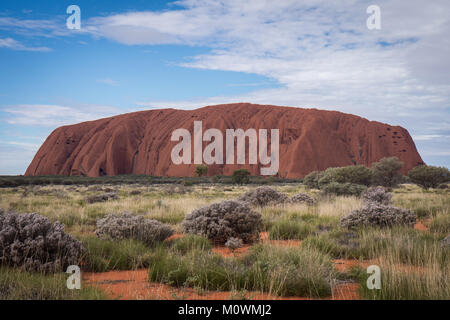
(140, 142)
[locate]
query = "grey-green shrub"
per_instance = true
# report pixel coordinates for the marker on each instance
(234, 243)
(312, 180)
(378, 215)
(376, 195)
(31, 241)
(129, 226)
(264, 196)
(102, 197)
(221, 221)
(302, 198)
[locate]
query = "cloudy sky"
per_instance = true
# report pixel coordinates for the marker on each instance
(136, 55)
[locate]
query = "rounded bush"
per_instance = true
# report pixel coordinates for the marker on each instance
(128, 226)
(102, 197)
(302, 198)
(378, 215)
(377, 195)
(234, 243)
(221, 221)
(264, 196)
(31, 241)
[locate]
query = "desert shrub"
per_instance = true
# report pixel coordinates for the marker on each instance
(190, 242)
(220, 221)
(312, 180)
(101, 197)
(234, 243)
(376, 195)
(241, 176)
(378, 215)
(201, 170)
(350, 174)
(20, 285)
(387, 172)
(446, 241)
(302, 198)
(429, 176)
(343, 189)
(128, 226)
(31, 241)
(264, 196)
(103, 255)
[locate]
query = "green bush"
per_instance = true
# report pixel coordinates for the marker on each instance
(312, 180)
(350, 174)
(241, 176)
(343, 189)
(201, 170)
(429, 176)
(387, 172)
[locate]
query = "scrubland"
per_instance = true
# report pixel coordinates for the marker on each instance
(414, 262)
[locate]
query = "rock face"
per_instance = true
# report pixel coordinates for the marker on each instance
(140, 142)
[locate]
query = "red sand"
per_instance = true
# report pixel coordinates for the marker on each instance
(139, 142)
(420, 226)
(134, 285)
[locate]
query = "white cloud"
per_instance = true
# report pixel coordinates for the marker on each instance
(321, 53)
(109, 82)
(54, 115)
(12, 44)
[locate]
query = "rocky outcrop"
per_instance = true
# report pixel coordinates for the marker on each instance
(140, 142)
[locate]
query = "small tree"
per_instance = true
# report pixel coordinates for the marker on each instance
(241, 176)
(201, 170)
(429, 176)
(387, 172)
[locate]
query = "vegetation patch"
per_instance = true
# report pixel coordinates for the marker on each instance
(275, 270)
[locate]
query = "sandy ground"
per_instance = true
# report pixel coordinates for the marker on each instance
(134, 285)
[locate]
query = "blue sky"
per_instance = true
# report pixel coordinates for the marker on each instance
(137, 55)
